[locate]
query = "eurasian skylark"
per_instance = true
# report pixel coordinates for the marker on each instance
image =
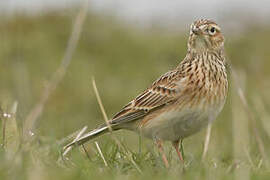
(182, 101)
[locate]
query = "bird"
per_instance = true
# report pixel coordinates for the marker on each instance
(182, 101)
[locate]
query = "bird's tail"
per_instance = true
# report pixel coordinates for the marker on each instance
(91, 135)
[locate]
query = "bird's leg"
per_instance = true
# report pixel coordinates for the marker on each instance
(161, 151)
(181, 152)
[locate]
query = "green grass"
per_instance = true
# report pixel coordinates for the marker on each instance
(124, 60)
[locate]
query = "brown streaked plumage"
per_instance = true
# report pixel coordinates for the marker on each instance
(182, 101)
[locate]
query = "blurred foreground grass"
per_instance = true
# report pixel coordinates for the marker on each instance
(124, 60)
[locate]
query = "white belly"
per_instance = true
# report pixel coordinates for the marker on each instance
(175, 125)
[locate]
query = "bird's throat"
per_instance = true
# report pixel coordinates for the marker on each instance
(200, 45)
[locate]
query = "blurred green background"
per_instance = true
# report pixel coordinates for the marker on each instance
(124, 59)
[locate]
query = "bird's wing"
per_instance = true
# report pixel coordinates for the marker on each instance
(160, 93)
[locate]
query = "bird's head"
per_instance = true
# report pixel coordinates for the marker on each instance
(205, 35)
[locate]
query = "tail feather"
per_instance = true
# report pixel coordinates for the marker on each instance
(91, 135)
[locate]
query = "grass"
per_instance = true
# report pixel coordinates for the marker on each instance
(124, 60)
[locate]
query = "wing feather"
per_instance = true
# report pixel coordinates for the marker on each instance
(160, 93)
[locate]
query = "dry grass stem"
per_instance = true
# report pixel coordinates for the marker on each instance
(129, 155)
(30, 121)
(264, 115)
(4, 133)
(86, 152)
(251, 117)
(260, 164)
(101, 154)
(3, 118)
(100, 104)
(68, 138)
(240, 128)
(249, 158)
(9, 125)
(77, 137)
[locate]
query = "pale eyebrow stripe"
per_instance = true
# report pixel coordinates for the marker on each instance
(202, 26)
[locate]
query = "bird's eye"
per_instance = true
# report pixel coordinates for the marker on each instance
(212, 31)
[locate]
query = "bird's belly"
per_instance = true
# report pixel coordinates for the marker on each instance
(174, 125)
